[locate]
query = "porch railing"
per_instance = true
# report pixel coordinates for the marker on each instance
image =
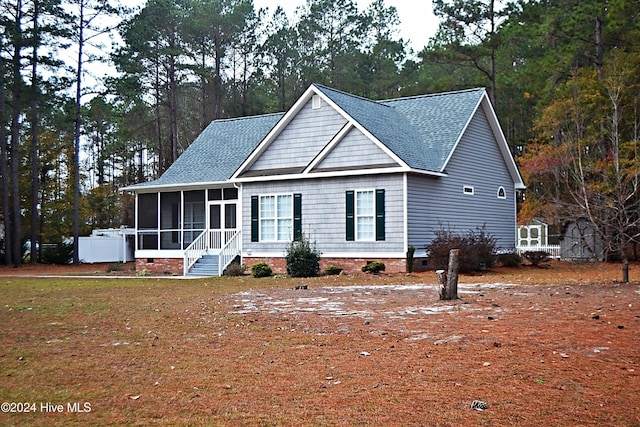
(553, 250)
(195, 250)
(226, 243)
(218, 239)
(229, 251)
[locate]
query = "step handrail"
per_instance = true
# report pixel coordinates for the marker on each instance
(229, 251)
(195, 250)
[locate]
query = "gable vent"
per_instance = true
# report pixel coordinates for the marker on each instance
(316, 102)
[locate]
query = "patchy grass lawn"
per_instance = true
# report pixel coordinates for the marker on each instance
(556, 346)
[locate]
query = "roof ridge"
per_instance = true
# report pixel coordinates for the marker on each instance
(431, 95)
(233, 119)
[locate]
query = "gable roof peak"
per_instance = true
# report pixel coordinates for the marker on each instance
(329, 90)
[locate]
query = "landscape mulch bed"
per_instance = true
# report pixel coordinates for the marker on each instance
(556, 346)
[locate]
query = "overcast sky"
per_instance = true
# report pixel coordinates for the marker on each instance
(417, 21)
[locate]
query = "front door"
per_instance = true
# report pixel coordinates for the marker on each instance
(222, 222)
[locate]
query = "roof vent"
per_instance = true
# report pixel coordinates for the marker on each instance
(316, 102)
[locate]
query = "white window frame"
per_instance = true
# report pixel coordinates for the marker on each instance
(358, 216)
(527, 239)
(279, 220)
(503, 191)
(468, 190)
(316, 102)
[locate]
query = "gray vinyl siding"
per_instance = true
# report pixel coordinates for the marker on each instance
(439, 202)
(324, 214)
(302, 139)
(355, 150)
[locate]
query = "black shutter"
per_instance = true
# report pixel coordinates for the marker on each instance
(350, 216)
(255, 227)
(380, 232)
(297, 217)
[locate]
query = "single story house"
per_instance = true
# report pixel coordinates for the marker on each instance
(361, 179)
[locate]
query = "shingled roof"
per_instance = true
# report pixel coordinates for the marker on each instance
(421, 130)
(217, 152)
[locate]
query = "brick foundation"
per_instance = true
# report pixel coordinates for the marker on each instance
(172, 266)
(278, 265)
(349, 265)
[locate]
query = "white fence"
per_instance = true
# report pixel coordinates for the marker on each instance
(553, 250)
(104, 249)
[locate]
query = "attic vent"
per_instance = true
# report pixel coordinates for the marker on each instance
(316, 102)
(468, 190)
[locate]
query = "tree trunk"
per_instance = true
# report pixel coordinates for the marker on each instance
(217, 77)
(492, 57)
(76, 145)
(16, 113)
(35, 181)
(4, 158)
(203, 89)
(158, 122)
(450, 289)
(35, 164)
(16, 232)
(625, 269)
(599, 45)
(173, 111)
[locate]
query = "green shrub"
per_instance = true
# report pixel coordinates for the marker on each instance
(410, 251)
(483, 248)
(477, 250)
(303, 260)
(332, 270)
(536, 257)
(510, 259)
(60, 253)
(261, 269)
(374, 267)
(235, 269)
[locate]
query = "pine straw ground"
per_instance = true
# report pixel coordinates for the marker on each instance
(556, 347)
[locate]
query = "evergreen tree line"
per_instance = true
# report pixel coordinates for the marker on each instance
(563, 77)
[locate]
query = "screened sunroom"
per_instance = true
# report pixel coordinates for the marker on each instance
(172, 220)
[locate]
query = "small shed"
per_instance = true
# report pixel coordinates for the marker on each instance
(107, 245)
(580, 241)
(533, 234)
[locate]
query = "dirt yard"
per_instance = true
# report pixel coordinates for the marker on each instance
(555, 347)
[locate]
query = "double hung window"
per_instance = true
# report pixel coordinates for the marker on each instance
(276, 218)
(365, 215)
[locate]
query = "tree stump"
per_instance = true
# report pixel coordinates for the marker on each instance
(449, 282)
